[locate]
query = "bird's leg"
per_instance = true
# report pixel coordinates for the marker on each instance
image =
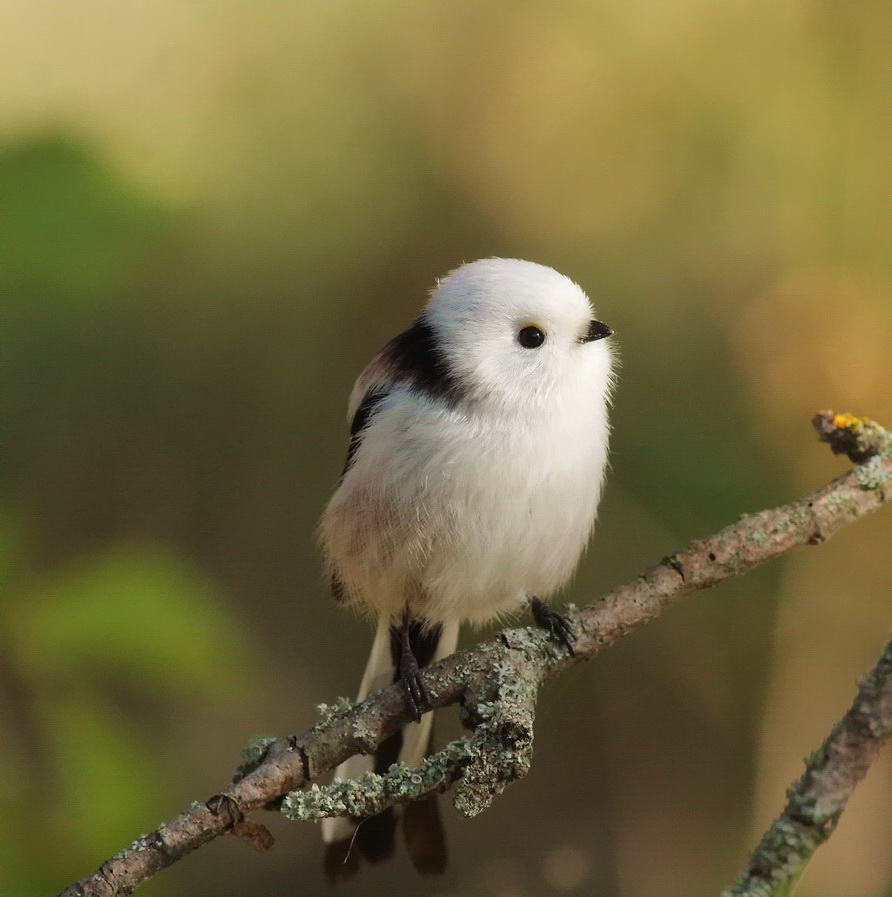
(557, 625)
(410, 672)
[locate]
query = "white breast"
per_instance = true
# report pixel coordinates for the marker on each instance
(466, 514)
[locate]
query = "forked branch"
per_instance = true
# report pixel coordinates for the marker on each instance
(496, 682)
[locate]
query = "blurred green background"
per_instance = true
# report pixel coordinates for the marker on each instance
(213, 214)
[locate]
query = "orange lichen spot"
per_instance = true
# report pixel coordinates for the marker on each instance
(848, 421)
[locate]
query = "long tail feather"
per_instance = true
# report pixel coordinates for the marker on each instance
(417, 736)
(378, 673)
(375, 837)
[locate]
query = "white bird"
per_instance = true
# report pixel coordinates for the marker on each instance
(475, 467)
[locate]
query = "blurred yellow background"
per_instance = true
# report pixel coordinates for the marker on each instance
(213, 214)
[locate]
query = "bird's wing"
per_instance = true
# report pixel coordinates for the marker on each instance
(372, 387)
(377, 377)
(412, 360)
(364, 413)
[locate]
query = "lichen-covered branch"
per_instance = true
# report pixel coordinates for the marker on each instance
(370, 793)
(858, 437)
(500, 749)
(499, 753)
(816, 801)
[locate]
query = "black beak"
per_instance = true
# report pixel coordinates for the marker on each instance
(596, 330)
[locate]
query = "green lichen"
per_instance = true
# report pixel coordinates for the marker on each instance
(501, 750)
(874, 472)
(779, 861)
(371, 793)
(486, 710)
(528, 641)
(253, 751)
(500, 753)
(364, 736)
(329, 712)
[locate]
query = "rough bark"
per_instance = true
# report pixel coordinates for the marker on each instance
(816, 801)
(498, 680)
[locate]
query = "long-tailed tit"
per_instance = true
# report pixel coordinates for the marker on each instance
(475, 466)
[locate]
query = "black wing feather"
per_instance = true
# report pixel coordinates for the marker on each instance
(412, 359)
(364, 413)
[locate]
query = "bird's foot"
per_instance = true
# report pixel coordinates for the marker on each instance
(416, 690)
(410, 672)
(557, 625)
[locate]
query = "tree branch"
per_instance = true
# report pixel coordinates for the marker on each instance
(497, 681)
(815, 803)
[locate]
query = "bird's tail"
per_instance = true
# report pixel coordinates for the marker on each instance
(373, 838)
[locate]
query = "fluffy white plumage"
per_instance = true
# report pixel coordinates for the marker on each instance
(464, 509)
(477, 462)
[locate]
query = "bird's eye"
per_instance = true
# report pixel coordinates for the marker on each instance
(531, 337)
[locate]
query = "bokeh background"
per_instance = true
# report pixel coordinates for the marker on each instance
(213, 214)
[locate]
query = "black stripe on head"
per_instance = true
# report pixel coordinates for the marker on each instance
(367, 407)
(418, 360)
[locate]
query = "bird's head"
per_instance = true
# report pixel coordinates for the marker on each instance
(519, 334)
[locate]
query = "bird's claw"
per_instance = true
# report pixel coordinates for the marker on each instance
(416, 690)
(557, 625)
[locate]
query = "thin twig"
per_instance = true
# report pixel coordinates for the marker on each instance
(474, 676)
(817, 800)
